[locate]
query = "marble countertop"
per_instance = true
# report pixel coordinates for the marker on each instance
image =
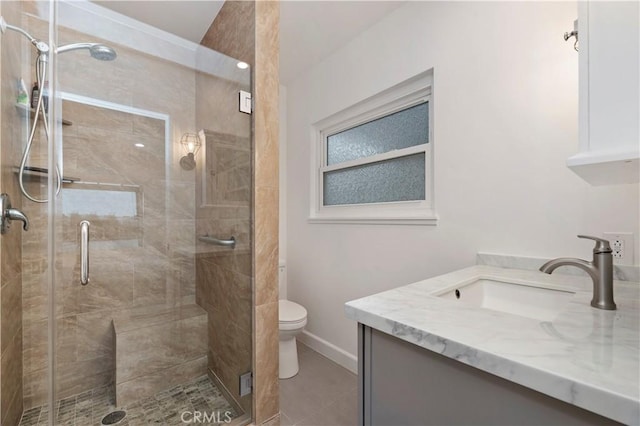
(584, 356)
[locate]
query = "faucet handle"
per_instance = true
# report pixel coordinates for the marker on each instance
(602, 245)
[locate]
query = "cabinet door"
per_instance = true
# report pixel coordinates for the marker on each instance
(404, 384)
(609, 90)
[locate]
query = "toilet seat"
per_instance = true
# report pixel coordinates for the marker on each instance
(291, 313)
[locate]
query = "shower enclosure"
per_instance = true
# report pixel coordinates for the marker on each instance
(137, 270)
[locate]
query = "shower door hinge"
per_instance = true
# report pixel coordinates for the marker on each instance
(246, 383)
(245, 102)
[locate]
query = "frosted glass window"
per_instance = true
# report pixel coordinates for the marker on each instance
(373, 161)
(399, 130)
(398, 179)
(99, 202)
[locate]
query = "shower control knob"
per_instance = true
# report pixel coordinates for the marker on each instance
(7, 214)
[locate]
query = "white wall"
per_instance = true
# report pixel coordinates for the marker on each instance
(505, 120)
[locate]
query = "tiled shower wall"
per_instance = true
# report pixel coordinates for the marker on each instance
(266, 201)
(146, 260)
(223, 275)
(10, 243)
(228, 34)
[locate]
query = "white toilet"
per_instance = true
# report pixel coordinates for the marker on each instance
(293, 318)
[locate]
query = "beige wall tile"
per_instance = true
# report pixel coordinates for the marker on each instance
(11, 120)
(96, 372)
(14, 410)
(150, 282)
(217, 107)
(94, 336)
(35, 388)
(35, 347)
(231, 32)
(11, 383)
(274, 421)
(226, 294)
(267, 402)
(266, 245)
(229, 356)
(11, 310)
(145, 351)
(141, 387)
(266, 90)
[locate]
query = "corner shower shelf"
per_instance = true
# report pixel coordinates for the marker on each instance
(23, 109)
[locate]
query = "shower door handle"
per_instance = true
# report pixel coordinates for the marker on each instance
(84, 252)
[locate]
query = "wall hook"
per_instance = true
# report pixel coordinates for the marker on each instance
(573, 33)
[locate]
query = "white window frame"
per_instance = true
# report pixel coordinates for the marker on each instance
(409, 93)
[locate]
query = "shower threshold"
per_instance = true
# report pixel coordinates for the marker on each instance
(176, 406)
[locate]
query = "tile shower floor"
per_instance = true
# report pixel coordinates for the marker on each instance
(164, 408)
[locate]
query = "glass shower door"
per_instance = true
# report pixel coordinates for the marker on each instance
(151, 301)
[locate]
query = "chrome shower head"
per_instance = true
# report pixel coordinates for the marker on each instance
(97, 50)
(102, 52)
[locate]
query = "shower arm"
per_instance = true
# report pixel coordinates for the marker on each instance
(4, 26)
(74, 46)
(42, 47)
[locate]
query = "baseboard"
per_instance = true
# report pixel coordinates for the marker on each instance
(331, 351)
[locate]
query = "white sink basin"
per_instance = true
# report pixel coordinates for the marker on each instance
(524, 299)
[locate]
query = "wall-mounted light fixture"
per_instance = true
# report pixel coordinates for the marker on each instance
(191, 143)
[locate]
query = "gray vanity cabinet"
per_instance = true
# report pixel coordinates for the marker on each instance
(404, 384)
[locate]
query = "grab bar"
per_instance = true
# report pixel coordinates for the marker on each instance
(231, 242)
(84, 252)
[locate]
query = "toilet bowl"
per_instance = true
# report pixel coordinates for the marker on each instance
(293, 318)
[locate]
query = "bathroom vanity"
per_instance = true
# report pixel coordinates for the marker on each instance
(488, 345)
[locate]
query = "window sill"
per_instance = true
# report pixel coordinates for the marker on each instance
(378, 220)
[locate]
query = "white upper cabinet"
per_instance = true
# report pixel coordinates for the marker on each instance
(609, 91)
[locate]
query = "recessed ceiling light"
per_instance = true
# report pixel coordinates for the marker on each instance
(243, 65)
(138, 145)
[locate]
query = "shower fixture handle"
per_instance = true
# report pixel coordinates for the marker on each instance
(7, 214)
(84, 252)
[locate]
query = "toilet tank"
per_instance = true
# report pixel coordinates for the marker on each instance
(282, 280)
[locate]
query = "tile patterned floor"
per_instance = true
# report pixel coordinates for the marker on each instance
(322, 394)
(164, 408)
